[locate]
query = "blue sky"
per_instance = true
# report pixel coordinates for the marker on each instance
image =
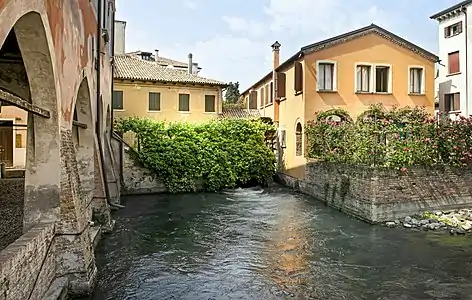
(230, 39)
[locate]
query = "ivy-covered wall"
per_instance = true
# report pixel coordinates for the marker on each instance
(209, 157)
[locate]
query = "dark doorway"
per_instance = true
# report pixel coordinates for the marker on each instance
(6, 143)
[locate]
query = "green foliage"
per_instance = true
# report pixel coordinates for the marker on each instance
(213, 156)
(232, 93)
(397, 138)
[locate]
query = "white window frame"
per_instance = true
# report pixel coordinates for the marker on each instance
(423, 88)
(371, 79)
(335, 75)
(389, 89)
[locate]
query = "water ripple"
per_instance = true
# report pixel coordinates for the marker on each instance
(271, 244)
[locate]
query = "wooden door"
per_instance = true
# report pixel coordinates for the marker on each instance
(6, 143)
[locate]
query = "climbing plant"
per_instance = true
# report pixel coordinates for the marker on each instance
(209, 157)
(397, 138)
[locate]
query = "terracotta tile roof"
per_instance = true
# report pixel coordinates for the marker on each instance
(239, 113)
(163, 61)
(131, 68)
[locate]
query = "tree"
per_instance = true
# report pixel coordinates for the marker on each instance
(232, 93)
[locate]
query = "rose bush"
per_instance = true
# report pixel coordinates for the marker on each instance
(397, 138)
(217, 155)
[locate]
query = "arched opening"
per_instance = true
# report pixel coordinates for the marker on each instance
(28, 97)
(83, 138)
(299, 140)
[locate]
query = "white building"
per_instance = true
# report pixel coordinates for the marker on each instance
(454, 81)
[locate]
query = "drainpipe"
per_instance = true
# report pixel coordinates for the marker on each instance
(464, 10)
(99, 109)
(112, 59)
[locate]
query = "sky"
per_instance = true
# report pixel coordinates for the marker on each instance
(231, 39)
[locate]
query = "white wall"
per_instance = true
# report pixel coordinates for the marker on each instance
(120, 37)
(446, 84)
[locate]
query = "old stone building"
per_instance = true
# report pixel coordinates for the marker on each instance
(56, 72)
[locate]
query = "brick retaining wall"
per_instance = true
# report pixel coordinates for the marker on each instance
(379, 194)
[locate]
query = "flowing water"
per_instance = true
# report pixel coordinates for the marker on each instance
(272, 244)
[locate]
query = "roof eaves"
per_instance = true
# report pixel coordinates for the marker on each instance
(366, 30)
(450, 9)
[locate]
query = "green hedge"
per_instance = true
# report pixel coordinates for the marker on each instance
(398, 138)
(215, 155)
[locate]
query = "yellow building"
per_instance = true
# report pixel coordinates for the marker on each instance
(350, 71)
(145, 88)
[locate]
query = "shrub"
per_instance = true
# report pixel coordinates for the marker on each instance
(397, 138)
(218, 154)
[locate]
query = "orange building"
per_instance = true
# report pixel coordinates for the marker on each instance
(350, 71)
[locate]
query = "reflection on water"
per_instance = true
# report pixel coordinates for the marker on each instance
(271, 244)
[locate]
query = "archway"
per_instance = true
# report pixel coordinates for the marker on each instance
(83, 137)
(26, 54)
(299, 139)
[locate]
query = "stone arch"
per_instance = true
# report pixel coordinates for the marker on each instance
(42, 163)
(84, 143)
(298, 139)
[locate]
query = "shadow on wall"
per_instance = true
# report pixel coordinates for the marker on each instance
(387, 100)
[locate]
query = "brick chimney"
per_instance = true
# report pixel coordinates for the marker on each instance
(276, 62)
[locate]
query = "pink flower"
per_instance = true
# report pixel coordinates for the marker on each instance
(403, 169)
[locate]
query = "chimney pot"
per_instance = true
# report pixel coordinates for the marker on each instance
(190, 63)
(156, 53)
(276, 46)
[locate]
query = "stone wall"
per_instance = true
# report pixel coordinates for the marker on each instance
(378, 194)
(27, 266)
(139, 180)
(11, 210)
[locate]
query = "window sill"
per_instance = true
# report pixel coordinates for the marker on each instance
(363, 93)
(209, 112)
(416, 94)
(184, 112)
(453, 74)
(153, 111)
(453, 35)
(116, 109)
(282, 99)
(326, 91)
(298, 93)
(267, 105)
(382, 93)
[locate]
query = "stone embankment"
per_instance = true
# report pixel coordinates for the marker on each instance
(454, 221)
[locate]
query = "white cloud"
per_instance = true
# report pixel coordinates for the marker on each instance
(245, 54)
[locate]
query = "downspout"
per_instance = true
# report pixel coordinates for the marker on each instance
(99, 109)
(464, 9)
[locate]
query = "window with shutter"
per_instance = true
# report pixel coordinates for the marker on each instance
(210, 103)
(451, 102)
(325, 76)
(253, 100)
(266, 94)
(281, 84)
(262, 97)
(298, 80)
(298, 140)
(117, 101)
(154, 101)
(271, 98)
(184, 102)
(453, 62)
(453, 29)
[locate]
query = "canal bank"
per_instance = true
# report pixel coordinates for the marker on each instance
(271, 244)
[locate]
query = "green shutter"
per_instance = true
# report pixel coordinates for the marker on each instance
(117, 101)
(210, 103)
(184, 102)
(154, 101)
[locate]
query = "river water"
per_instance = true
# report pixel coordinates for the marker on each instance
(272, 244)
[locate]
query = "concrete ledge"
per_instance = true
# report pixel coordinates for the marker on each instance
(95, 235)
(58, 290)
(379, 194)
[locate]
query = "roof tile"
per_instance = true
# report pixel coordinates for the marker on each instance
(131, 68)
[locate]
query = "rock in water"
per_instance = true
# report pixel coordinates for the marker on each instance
(390, 224)
(407, 225)
(407, 220)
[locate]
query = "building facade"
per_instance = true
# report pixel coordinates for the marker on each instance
(55, 95)
(352, 71)
(454, 83)
(145, 88)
